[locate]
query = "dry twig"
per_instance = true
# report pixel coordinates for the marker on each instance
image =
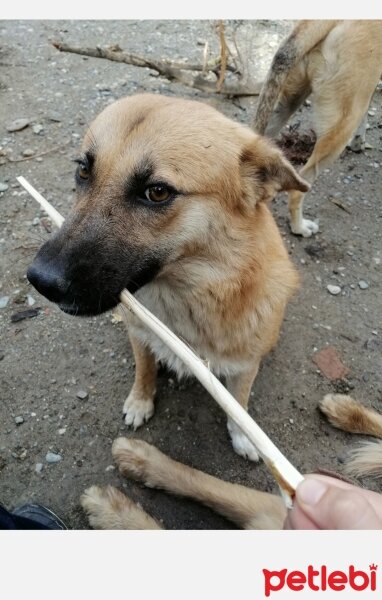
(182, 72)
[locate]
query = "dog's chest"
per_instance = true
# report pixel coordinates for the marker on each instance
(191, 320)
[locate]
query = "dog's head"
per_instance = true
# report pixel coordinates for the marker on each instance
(154, 175)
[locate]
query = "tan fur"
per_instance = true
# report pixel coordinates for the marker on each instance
(346, 413)
(340, 64)
(249, 509)
(227, 276)
(108, 508)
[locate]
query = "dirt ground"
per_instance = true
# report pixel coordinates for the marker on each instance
(46, 361)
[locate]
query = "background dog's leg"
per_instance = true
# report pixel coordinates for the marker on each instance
(240, 386)
(139, 406)
(346, 413)
(108, 508)
(357, 143)
(336, 130)
(250, 509)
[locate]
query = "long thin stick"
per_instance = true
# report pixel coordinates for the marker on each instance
(284, 472)
(49, 209)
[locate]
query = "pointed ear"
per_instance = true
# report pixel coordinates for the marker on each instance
(266, 171)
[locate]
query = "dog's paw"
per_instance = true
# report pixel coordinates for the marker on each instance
(241, 443)
(137, 410)
(357, 144)
(108, 508)
(134, 458)
(306, 228)
(100, 504)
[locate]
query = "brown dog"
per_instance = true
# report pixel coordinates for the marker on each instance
(171, 204)
(339, 63)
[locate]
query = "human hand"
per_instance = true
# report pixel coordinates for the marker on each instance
(327, 503)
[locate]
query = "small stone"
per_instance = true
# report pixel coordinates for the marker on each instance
(39, 467)
(4, 301)
(18, 125)
(30, 300)
(55, 117)
(3, 187)
(52, 457)
(38, 128)
(110, 468)
(333, 289)
(36, 221)
(363, 284)
(28, 152)
(19, 420)
(62, 431)
(82, 394)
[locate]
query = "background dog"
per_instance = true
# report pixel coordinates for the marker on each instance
(171, 204)
(339, 63)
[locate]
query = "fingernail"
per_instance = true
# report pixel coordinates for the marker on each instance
(310, 491)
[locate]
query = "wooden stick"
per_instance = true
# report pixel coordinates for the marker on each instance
(49, 209)
(283, 471)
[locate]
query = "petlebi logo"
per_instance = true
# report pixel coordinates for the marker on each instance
(321, 579)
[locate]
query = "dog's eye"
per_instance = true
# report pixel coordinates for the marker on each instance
(83, 171)
(157, 193)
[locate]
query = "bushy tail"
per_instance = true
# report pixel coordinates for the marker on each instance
(349, 415)
(304, 37)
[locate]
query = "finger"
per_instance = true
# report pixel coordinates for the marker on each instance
(297, 519)
(333, 507)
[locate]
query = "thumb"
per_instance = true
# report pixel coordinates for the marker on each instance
(333, 507)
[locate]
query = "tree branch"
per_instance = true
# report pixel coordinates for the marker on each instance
(172, 70)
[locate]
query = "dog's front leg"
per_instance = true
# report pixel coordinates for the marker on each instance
(139, 405)
(240, 386)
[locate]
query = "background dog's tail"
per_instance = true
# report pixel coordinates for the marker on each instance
(304, 37)
(349, 415)
(366, 460)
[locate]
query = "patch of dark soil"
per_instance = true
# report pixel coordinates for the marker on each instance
(296, 145)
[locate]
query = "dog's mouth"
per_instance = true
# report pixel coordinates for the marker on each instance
(96, 302)
(88, 308)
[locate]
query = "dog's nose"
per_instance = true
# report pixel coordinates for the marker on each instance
(48, 280)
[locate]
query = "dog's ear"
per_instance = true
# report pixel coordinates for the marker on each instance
(266, 171)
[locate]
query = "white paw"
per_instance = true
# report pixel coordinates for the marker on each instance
(305, 228)
(241, 443)
(357, 144)
(137, 411)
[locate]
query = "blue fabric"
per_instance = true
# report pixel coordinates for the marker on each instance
(9, 521)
